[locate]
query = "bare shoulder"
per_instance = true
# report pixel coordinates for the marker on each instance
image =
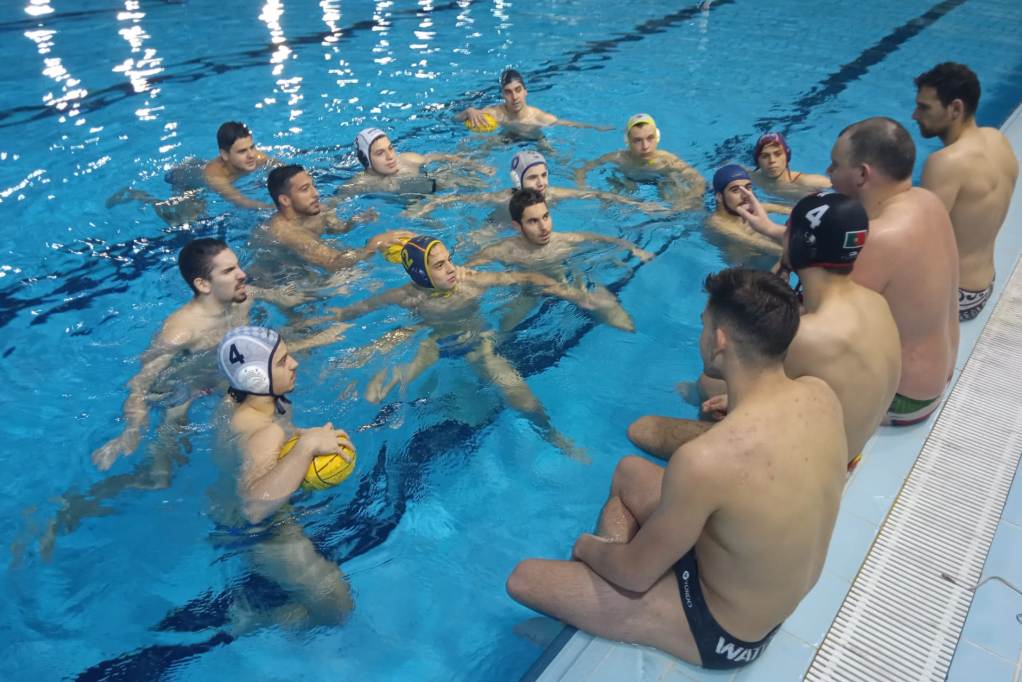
(179, 329)
(543, 117)
(413, 157)
(818, 391)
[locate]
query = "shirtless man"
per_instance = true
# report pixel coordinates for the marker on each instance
(974, 175)
(514, 114)
(773, 174)
(237, 158)
(910, 258)
(680, 184)
(301, 221)
(528, 171)
(706, 558)
(175, 370)
(446, 299)
(539, 249)
(846, 336)
(387, 170)
(729, 183)
(257, 485)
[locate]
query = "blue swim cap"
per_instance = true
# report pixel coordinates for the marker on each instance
(726, 175)
(415, 259)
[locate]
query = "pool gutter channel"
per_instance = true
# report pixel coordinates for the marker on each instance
(904, 613)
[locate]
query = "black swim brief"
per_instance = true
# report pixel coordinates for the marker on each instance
(717, 649)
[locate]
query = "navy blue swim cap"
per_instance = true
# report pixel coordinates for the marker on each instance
(726, 175)
(827, 231)
(415, 259)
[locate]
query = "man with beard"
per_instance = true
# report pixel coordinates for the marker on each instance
(974, 175)
(729, 183)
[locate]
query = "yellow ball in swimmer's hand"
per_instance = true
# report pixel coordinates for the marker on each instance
(325, 471)
(488, 127)
(393, 252)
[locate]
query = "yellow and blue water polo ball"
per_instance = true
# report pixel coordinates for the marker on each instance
(325, 471)
(488, 127)
(393, 252)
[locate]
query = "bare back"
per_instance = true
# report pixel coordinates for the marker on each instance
(912, 260)
(851, 342)
(779, 470)
(975, 177)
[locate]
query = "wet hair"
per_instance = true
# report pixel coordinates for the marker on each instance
(279, 181)
(196, 259)
(884, 144)
(757, 308)
(229, 133)
(952, 81)
(509, 76)
(521, 200)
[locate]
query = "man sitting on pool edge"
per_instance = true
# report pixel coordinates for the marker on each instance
(706, 558)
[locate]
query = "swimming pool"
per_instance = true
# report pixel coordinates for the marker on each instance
(452, 488)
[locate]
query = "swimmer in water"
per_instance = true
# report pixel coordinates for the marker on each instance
(176, 369)
(529, 171)
(733, 189)
(680, 184)
(515, 115)
(446, 299)
(238, 157)
(387, 170)
(301, 221)
(773, 174)
(252, 496)
(540, 249)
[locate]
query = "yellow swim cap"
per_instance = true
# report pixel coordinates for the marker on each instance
(640, 119)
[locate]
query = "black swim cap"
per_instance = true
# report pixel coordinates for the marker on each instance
(827, 231)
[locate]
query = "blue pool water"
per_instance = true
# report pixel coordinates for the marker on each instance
(452, 488)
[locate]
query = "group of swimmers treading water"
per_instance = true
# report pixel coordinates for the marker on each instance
(703, 558)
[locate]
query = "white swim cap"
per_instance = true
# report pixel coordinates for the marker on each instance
(521, 164)
(246, 356)
(364, 143)
(640, 119)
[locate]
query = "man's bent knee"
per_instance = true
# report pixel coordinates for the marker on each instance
(641, 431)
(523, 580)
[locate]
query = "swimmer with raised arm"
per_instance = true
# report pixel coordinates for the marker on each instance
(974, 175)
(732, 188)
(387, 170)
(772, 172)
(446, 299)
(257, 483)
(515, 115)
(846, 336)
(704, 559)
(528, 171)
(680, 184)
(238, 157)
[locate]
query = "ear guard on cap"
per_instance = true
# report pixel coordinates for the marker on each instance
(827, 231)
(639, 119)
(770, 138)
(245, 355)
(520, 165)
(364, 144)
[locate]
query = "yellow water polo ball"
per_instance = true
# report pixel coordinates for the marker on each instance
(393, 252)
(488, 127)
(325, 471)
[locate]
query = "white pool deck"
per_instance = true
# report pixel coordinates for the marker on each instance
(990, 648)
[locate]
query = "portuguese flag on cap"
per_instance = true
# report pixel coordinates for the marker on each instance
(855, 240)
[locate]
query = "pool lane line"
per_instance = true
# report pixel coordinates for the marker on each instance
(738, 146)
(167, 654)
(213, 65)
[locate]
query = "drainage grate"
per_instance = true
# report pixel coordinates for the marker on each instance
(904, 613)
